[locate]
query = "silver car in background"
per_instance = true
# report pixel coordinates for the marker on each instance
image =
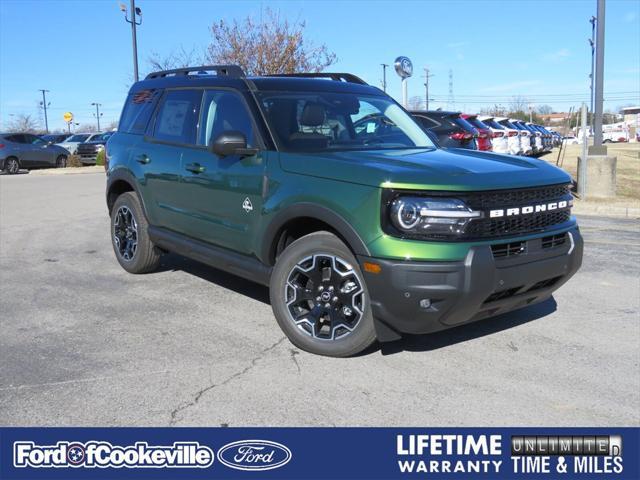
(25, 150)
(71, 143)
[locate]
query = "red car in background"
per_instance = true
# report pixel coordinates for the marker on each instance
(484, 132)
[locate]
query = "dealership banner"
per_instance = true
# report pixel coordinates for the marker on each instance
(319, 453)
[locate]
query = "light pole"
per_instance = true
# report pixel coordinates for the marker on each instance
(384, 76)
(597, 123)
(44, 106)
(97, 114)
(592, 43)
(530, 113)
(134, 11)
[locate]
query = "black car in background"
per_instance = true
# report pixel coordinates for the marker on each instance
(88, 151)
(452, 130)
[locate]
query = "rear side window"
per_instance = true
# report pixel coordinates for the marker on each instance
(137, 111)
(464, 124)
(177, 119)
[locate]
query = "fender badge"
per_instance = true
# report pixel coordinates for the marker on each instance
(246, 205)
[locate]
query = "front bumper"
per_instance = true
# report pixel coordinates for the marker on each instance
(486, 283)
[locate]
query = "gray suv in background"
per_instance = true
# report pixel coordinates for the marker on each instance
(25, 150)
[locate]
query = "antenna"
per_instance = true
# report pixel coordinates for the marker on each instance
(450, 100)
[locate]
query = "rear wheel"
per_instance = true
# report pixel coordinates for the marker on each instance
(61, 161)
(12, 165)
(129, 236)
(319, 297)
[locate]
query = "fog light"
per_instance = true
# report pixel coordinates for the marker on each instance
(425, 303)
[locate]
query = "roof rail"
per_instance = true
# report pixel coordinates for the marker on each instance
(233, 71)
(340, 77)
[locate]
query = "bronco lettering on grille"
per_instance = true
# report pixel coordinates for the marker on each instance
(542, 207)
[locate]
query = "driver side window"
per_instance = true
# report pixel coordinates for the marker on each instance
(224, 111)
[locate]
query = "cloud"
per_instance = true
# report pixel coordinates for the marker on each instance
(557, 56)
(630, 17)
(508, 87)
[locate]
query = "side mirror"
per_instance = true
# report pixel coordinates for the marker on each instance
(230, 143)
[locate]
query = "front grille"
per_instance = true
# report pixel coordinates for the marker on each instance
(491, 227)
(544, 284)
(502, 294)
(508, 249)
(507, 198)
(553, 241)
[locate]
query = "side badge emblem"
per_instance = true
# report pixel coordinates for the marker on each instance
(246, 205)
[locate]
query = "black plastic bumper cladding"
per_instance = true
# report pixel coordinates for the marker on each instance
(478, 287)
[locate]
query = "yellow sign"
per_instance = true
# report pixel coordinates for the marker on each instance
(68, 117)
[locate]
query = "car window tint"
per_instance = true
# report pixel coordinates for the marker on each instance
(138, 110)
(224, 111)
(178, 115)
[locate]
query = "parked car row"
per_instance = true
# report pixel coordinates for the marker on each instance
(486, 133)
(26, 150)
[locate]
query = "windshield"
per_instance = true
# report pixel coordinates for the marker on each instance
(77, 138)
(327, 121)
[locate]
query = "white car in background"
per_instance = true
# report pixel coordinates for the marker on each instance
(513, 135)
(525, 136)
(71, 143)
(499, 137)
(537, 138)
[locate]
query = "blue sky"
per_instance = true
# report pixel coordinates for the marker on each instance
(81, 50)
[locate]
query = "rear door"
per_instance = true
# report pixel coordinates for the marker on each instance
(222, 196)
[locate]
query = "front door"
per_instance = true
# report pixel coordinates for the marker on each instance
(157, 159)
(223, 195)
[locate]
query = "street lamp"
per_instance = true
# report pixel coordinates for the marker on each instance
(44, 106)
(134, 11)
(97, 114)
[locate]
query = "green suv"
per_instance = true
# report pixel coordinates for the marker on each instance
(324, 189)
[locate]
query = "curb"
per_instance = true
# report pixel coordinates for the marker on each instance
(68, 170)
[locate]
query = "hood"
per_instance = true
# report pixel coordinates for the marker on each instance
(422, 169)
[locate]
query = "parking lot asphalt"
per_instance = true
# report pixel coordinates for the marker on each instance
(82, 342)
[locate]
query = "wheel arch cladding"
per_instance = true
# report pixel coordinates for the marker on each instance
(119, 182)
(304, 218)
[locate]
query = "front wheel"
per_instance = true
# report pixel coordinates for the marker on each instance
(61, 161)
(12, 166)
(319, 297)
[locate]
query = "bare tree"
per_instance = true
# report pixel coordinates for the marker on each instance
(179, 58)
(23, 123)
(87, 128)
(269, 46)
(518, 103)
(545, 109)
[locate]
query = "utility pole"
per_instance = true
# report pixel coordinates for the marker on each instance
(592, 43)
(582, 168)
(134, 11)
(384, 76)
(44, 105)
(97, 114)
(426, 87)
(597, 124)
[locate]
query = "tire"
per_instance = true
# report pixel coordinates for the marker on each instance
(129, 236)
(61, 161)
(12, 165)
(330, 316)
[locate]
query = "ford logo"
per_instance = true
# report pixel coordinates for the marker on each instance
(254, 455)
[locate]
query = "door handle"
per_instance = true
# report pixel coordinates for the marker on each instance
(143, 159)
(195, 168)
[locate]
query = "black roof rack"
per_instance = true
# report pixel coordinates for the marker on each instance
(340, 77)
(228, 70)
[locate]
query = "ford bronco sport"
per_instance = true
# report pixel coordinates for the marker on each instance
(326, 190)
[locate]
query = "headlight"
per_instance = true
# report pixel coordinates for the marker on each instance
(430, 217)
